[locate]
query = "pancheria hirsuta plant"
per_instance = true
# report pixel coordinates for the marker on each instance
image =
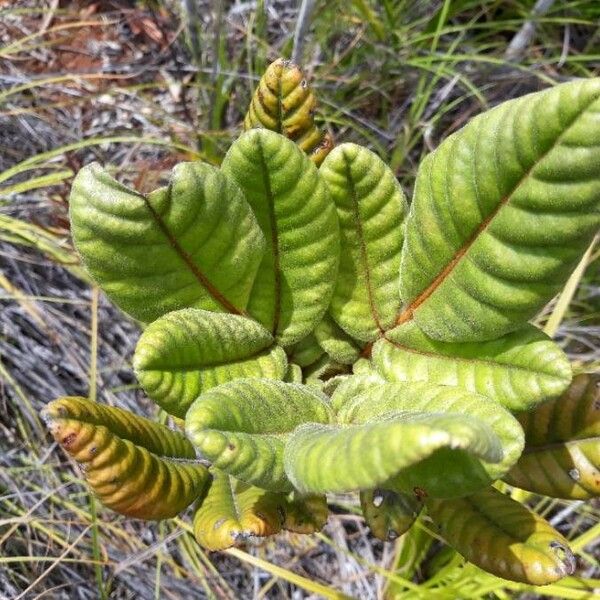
(318, 335)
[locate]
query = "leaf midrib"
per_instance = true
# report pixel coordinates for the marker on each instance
(408, 313)
(362, 245)
(188, 260)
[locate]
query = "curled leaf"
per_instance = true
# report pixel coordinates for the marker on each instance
(186, 352)
(388, 513)
(306, 352)
(233, 512)
(562, 444)
(241, 426)
(340, 347)
(503, 537)
(295, 279)
(305, 514)
(180, 246)
(283, 102)
(136, 467)
(371, 207)
(518, 370)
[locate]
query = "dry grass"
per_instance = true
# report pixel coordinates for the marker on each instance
(116, 81)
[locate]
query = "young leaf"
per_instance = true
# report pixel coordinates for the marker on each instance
(341, 458)
(354, 386)
(293, 373)
(194, 243)
(371, 208)
(518, 370)
(562, 444)
(503, 537)
(232, 512)
(445, 473)
(306, 352)
(339, 346)
(241, 426)
(186, 352)
(295, 280)
(305, 514)
(502, 211)
(283, 102)
(388, 513)
(136, 467)
(417, 438)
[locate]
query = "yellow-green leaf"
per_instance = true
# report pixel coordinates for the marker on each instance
(136, 467)
(562, 444)
(283, 102)
(389, 513)
(233, 512)
(503, 537)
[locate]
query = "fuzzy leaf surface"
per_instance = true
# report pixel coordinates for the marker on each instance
(136, 467)
(388, 513)
(371, 208)
(233, 512)
(562, 444)
(502, 211)
(518, 370)
(503, 537)
(339, 346)
(283, 102)
(241, 426)
(184, 353)
(295, 279)
(180, 246)
(415, 438)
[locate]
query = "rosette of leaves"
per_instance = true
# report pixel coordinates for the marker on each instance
(319, 336)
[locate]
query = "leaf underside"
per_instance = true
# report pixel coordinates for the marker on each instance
(283, 102)
(241, 426)
(518, 370)
(371, 207)
(136, 467)
(187, 352)
(178, 247)
(562, 444)
(295, 279)
(502, 211)
(233, 512)
(503, 537)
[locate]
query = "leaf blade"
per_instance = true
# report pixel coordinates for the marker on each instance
(136, 467)
(144, 250)
(519, 370)
(186, 352)
(371, 208)
(503, 537)
(487, 248)
(295, 280)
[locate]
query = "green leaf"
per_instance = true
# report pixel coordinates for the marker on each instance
(503, 537)
(502, 211)
(353, 386)
(241, 426)
(518, 370)
(336, 342)
(562, 444)
(233, 512)
(180, 246)
(136, 467)
(295, 280)
(371, 208)
(306, 352)
(293, 374)
(283, 102)
(417, 438)
(324, 370)
(186, 352)
(388, 513)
